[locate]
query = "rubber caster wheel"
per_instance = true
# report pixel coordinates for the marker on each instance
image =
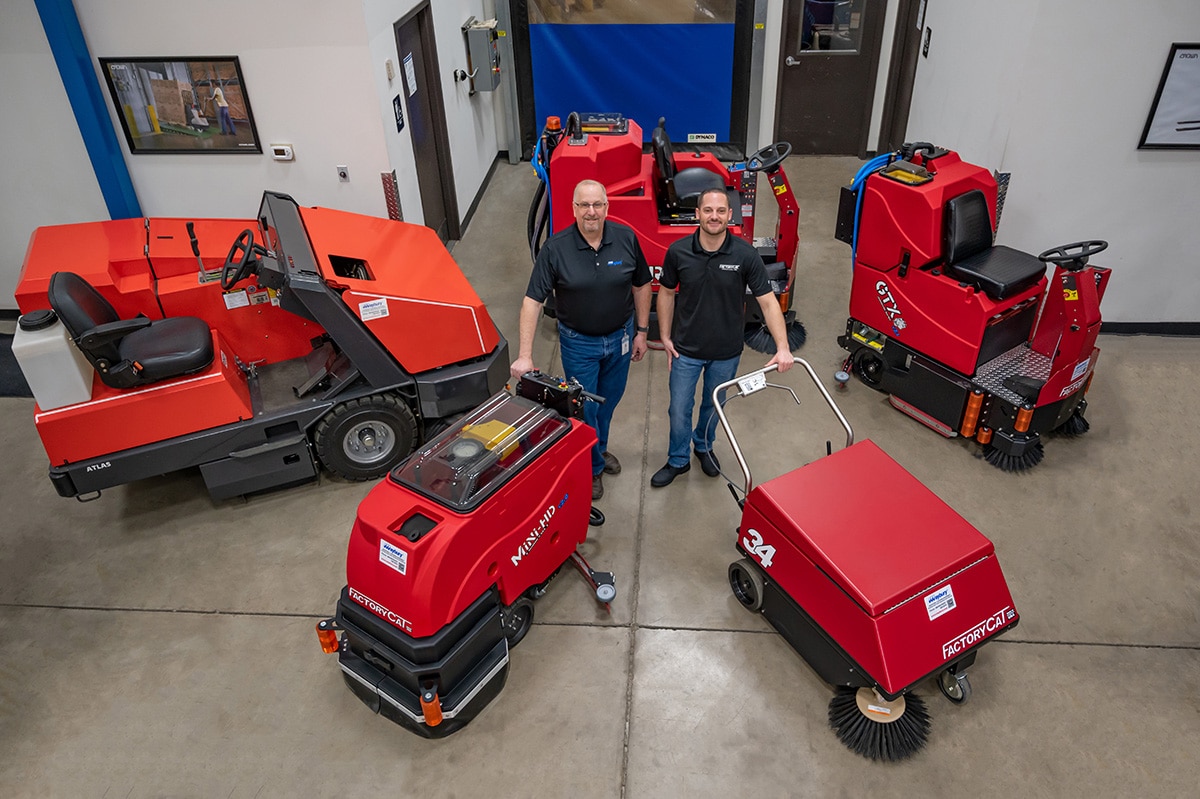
(746, 582)
(516, 619)
(606, 592)
(955, 687)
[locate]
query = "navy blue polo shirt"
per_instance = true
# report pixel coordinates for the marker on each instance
(709, 319)
(592, 288)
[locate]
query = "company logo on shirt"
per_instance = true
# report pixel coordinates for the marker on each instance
(617, 262)
(729, 267)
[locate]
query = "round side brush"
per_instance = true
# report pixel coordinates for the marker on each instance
(1015, 463)
(1076, 425)
(877, 728)
(758, 338)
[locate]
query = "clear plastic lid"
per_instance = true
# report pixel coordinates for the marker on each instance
(482, 451)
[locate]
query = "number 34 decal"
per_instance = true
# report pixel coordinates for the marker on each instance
(753, 542)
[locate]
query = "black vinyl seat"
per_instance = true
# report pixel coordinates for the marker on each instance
(678, 189)
(998, 271)
(128, 352)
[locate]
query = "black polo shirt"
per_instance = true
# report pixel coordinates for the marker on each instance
(709, 320)
(592, 288)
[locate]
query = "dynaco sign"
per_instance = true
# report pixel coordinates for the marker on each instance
(977, 633)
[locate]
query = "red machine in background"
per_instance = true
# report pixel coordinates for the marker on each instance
(320, 337)
(449, 552)
(877, 596)
(655, 193)
(966, 337)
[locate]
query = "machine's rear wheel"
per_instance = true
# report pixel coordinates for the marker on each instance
(955, 686)
(747, 583)
(516, 619)
(869, 367)
(364, 438)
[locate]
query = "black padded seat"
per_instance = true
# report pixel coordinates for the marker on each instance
(679, 189)
(128, 352)
(998, 271)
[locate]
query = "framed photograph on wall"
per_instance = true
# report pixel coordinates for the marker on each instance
(1174, 121)
(182, 105)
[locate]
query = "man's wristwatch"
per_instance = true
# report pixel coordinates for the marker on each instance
(641, 329)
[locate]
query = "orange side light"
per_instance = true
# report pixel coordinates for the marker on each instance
(327, 636)
(431, 706)
(984, 436)
(1024, 416)
(971, 415)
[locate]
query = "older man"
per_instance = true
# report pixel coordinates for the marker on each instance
(601, 282)
(712, 270)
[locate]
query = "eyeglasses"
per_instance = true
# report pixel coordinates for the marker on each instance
(594, 206)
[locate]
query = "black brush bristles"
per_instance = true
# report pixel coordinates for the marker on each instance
(1015, 463)
(884, 741)
(758, 338)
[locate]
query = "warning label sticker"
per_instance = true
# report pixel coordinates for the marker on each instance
(394, 556)
(373, 309)
(939, 602)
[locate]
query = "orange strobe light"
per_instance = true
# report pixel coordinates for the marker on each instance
(984, 436)
(327, 636)
(971, 416)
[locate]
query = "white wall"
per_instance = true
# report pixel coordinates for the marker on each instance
(314, 72)
(45, 175)
(1058, 93)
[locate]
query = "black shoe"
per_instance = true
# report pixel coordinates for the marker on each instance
(666, 474)
(611, 464)
(597, 486)
(709, 463)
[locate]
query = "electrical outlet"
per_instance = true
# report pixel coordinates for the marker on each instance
(343, 173)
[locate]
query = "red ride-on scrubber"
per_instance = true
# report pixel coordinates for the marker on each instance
(450, 551)
(968, 338)
(877, 596)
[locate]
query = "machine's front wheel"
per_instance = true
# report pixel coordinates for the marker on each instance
(747, 584)
(955, 686)
(364, 438)
(869, 367)
(516, 619)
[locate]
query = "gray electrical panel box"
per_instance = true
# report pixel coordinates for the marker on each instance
(483, 54)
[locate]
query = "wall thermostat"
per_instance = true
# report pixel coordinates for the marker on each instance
(282, 152)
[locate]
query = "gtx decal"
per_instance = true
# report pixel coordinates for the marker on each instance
(393, 556)
(890, 308)
(379, 610)
(977, 633)
(535, 534)
(753, 542)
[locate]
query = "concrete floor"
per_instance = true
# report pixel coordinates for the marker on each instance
(158, 644)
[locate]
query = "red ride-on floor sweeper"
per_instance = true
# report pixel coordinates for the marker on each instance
(449, 553)
(968, 338)
(322, 338)
(876, 602)
(655, 193)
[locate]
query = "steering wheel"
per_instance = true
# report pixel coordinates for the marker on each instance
(768, 157)
(1073, 261)
(238, 269)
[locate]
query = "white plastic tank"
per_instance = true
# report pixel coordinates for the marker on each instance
(57, 372)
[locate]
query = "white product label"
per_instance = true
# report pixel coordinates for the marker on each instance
(394, 556)
(755, 381)
(236, 299)
(1081, 369)
(939, 603)
(883, 711)
(373, 309)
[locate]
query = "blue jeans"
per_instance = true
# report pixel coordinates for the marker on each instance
(685, 373)
(601, 365)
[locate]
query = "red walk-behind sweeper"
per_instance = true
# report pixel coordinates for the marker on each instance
(968, 338)
(875, 602)
(448, 554)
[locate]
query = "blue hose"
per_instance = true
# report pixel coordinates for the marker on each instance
(865, 171)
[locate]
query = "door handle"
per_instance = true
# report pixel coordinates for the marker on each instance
(790, 61)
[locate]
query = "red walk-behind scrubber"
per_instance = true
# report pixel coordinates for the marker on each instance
(876, 602)
(449, 552)
(968, 338)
